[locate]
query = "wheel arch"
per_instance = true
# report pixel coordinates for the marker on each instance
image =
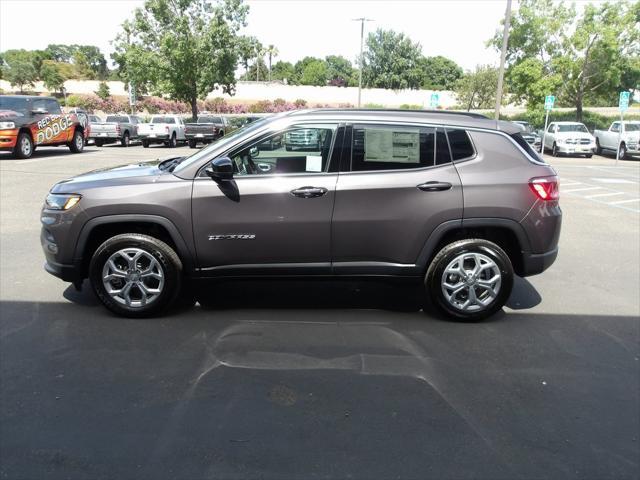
(99, 229)
(507, 234)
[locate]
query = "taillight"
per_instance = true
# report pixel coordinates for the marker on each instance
(118, 129)
(545, 188)
(166, 129)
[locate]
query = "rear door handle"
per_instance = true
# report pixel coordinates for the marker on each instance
(309, 192)
(434, 186)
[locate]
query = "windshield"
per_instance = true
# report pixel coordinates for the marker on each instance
(204, 153)
(162, 120)
(573, 127)
(632, 127)
(20, 105)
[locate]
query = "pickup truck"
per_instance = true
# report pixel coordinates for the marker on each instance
(570, 138)
(166, 129)
(628, 138)
(207, 129)
(27, 122)
(116, 128)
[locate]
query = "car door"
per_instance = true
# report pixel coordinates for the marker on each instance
(275, 215)
(180, 129)
(398, 185)
(550, 137)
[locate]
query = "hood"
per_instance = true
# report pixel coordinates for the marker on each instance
(146, 172)
(574, 135)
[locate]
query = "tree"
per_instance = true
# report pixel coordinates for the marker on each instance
(53, 74)
(185, 48)
(103, 91)
(247, 48)
(315, 73)
(19, 69)
(478, 89)
(439, 73)
(271, 52)
(588, 52)
(254, 70)
(390, 60)
(339, 70)
(283, 71)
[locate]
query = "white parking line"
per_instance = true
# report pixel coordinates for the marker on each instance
(582, 189)
(624, 201)
(605, 195)
(570, 184)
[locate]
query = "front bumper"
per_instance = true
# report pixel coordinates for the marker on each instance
(578, 149)
(8, 139)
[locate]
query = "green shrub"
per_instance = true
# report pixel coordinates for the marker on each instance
(592, 120)
(374, 105)
(410, 106)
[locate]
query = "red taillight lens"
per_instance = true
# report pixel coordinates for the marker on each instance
(166, 129)
(545, 188)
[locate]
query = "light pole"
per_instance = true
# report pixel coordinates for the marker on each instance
(361, 20)
(503, 54)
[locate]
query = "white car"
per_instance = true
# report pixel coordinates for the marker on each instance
(167, 129)
(628, 139)
(569, 138)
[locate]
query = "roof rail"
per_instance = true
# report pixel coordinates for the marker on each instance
(397, 110)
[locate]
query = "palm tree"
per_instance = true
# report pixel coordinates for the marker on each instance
(272, 51)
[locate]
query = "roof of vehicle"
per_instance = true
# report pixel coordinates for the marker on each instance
(451, 118)
(30, 96)
(568, 123)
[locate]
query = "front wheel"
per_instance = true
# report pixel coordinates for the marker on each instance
(622, 153)
(125, 141)
(77, 142)
(469, 280)
(136, 275)
(554, 150)
(145, 143)
(192, 144)
(173, 142)
(598, 147)
(99, 143)
(24, 146)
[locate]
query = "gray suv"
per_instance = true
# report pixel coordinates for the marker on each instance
(456, 201)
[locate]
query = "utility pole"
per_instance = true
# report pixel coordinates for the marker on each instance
(505, 41)
(361, 20)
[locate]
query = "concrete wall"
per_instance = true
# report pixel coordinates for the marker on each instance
(254, 91)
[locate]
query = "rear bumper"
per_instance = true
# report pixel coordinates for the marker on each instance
(535, 263)
(157, 137)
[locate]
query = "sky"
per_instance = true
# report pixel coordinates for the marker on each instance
(457, 29)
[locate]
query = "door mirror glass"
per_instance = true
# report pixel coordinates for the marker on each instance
(254, 152)
(221, 169)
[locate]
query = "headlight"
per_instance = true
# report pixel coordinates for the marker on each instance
(560, 140)
(7, 125)
(62, 202)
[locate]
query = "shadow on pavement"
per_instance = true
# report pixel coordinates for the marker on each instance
(336, 386)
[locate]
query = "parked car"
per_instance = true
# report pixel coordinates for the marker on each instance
(27, 122)
(207, 129)
(166, 129)
(628, 140)
(116, 128)
(530, 135)
(308, 138)
(569, 138)
(454, 201)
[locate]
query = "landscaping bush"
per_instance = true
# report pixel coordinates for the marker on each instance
(591, 119)
(410, 106)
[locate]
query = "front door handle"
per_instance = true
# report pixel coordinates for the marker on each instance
(434, 186)
(309, 192)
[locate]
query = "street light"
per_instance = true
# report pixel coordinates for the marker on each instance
(361, 20)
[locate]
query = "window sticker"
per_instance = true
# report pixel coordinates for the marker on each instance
(384, 145)
(314, 163)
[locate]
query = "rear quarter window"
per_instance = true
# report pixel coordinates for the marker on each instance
(526, 147)
(460, 143)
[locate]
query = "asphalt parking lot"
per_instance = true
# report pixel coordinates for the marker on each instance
(283, 380)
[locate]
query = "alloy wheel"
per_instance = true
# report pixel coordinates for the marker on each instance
(471, 282)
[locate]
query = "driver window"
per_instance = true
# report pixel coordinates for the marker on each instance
(615, 127)
(299, 149)
(552, 128)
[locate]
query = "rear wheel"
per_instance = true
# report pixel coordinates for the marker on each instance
(469, 280)
(77, 142)
(99, 143)
(554, 150)
(24, 146)
(588, 155)
(192, 144)
(622, 153)
(125, 141)
(136, 275)
(598, 147)
(173, 142)
(145, 143)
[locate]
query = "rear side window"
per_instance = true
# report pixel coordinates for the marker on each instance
(525, 146)
(461, 146)
(392, 147)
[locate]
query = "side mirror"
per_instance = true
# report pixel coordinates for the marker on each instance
(221, 169)
(39, 111)
(254, 152)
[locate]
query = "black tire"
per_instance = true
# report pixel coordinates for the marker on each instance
(173, 142)
(288, 148)
(165, 256)
(24, 146)
(145, 143)
(554, 150)
(77, 142)
(436, 271)
(588, 155)
(125, 141)
(98, 143)
(623, 152)
(192, 144)
(598, 147)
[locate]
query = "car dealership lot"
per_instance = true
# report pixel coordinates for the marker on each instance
(286, 379)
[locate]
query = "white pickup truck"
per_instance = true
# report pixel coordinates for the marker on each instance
(571, 138)
(628, 138)
(167, 129)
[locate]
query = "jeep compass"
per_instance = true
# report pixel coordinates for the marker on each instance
(456, 201)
